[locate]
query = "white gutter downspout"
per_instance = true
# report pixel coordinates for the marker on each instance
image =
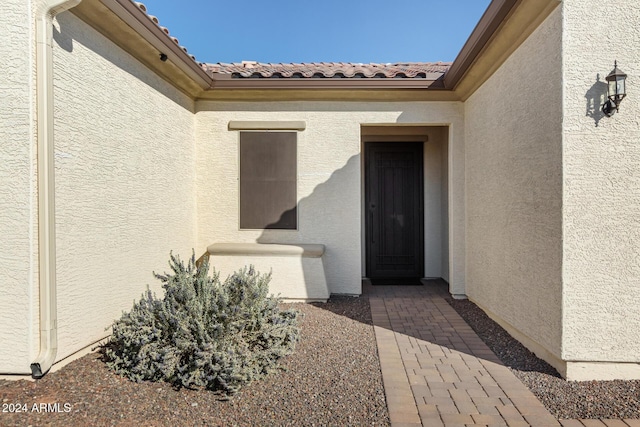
(45, 12)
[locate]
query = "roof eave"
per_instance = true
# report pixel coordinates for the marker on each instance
(490, 21)
(347, 93)
(221, 82)
(139, 21)
(132, 29)
(502, 29)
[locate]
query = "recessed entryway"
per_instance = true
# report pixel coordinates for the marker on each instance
(405, 203)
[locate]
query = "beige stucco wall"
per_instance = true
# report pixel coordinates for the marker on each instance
(435, 230)
(17, 187)
(543, 196)
(514, 190)
(329, 176)
(125, 179)
(444, 205)
(601, 184)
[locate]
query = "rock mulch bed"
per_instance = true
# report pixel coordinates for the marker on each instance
(333, 378)
(564, 399)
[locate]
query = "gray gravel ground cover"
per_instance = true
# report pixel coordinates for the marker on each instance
(564, 399)
(332, 379)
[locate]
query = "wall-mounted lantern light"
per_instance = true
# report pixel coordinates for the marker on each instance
(617, 91)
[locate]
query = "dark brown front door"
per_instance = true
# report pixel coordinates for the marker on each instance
(394, 208)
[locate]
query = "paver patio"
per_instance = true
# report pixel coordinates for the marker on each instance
(437, 372)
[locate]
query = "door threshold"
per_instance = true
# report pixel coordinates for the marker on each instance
(404, 281)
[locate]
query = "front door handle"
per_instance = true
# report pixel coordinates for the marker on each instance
(371, 226)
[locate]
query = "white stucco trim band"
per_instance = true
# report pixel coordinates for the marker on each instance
(601, 371)
(46, 184)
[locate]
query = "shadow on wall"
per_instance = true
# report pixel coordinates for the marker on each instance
(596, 97)
(324, 217)
(62, 38)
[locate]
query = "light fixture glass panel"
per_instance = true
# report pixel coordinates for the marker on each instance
(620, 89)
(612, 88)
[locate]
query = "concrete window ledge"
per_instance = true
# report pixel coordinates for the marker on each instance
(297, 270)
(301, 250)
(267, 125)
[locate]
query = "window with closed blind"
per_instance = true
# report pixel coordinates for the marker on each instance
(268, 180)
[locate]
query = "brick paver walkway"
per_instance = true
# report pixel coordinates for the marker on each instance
(438, 372)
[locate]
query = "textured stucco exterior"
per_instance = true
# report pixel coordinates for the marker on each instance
(434, 210)
(329, 176)
(532, 196)
(601, 218)
(445, 207)
(124, 185)
(124, 180)
(513, 160)
(17, 187)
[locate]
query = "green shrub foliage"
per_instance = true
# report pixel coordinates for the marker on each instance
(203, 333)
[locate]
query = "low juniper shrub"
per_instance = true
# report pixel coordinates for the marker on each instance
(203, 333)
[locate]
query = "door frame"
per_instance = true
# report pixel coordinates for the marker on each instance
(419, 227)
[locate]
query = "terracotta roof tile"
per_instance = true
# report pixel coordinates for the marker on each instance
(407, 70)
